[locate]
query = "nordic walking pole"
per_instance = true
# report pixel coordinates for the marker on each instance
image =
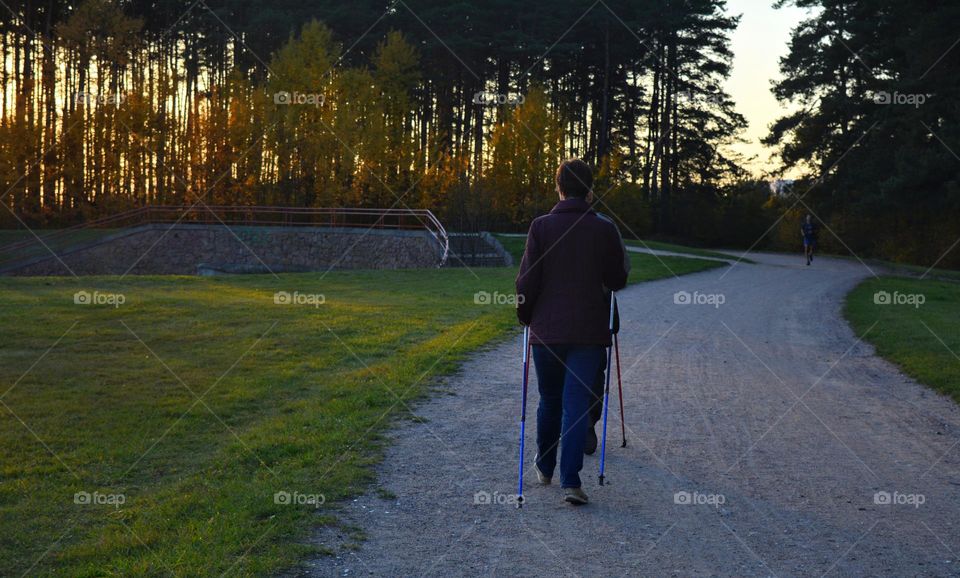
(623, 423)
(606, 390)
(523, 410)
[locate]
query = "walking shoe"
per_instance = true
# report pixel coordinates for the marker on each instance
(541, 477)
(575, 496)
(590, 443)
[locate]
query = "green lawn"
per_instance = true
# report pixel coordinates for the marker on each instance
(296, 399)
(923, 340)
(648, 267)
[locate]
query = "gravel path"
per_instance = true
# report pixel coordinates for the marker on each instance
(767, 407)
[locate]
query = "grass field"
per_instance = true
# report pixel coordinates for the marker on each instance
(922, 338)
(206, 422)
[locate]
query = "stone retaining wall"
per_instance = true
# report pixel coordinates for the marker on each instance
(185, 249)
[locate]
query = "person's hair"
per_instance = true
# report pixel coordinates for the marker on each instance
(574, 179)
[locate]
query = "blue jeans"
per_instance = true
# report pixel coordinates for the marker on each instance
(565, 376)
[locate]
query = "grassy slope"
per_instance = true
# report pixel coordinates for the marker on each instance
(43, 246)
(295, 399)
(906, 270)
(928, 354)
(657, 245)
(515, 246)
(14, 235)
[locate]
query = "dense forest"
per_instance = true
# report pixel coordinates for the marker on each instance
(466, 109)
(455, 107)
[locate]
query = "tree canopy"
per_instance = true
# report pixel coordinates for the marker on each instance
(465, 108)
(113, 103)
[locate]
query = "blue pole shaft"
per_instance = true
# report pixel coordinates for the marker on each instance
(523, 411)
(623, 422)
(606, 391)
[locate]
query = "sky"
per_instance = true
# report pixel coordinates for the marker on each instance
(757, 44)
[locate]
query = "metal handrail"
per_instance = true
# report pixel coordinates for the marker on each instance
(255, 215)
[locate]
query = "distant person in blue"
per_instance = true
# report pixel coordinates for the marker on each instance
(809, 232)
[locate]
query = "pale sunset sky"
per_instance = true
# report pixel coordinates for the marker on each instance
(757, 45)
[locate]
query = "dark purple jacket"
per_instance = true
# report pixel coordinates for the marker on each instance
(573, 257)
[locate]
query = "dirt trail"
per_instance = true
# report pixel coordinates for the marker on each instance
(767, 403)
